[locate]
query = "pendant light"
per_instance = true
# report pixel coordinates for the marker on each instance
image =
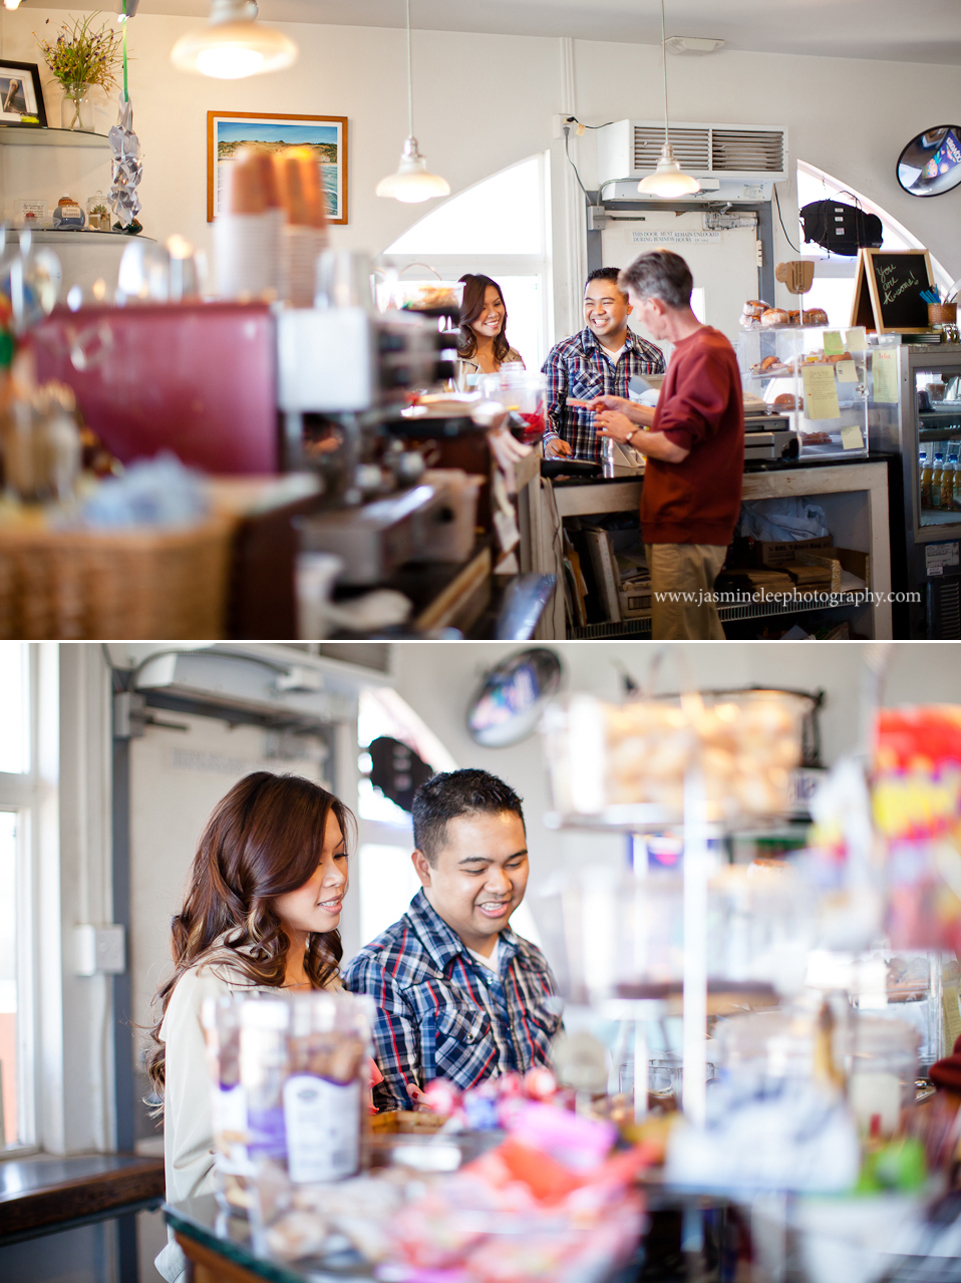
(233, 45)
(668, 178)
(412, 183)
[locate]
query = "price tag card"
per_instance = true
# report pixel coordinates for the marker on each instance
(832, 343)
(856, 340)
(820, 392)
(851, 438)
(885, 367)
(847, 372)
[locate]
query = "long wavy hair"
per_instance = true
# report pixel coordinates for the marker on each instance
(264, 838)
(475, 291)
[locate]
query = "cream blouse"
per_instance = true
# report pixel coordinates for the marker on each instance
(467, 372)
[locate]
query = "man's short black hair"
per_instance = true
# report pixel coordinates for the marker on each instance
(454, 793)
(605, 274)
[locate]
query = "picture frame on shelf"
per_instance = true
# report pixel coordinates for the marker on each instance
(21, 97)
(30, 213)
(227, 131)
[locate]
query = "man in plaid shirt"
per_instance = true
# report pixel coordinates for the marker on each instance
(596, 362)
(459, 995)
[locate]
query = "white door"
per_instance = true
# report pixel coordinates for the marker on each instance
(723, 263)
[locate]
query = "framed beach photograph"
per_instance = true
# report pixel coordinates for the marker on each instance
(327, 135)
(21, 98)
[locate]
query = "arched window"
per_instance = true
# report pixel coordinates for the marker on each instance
(835, 275)
(499, 228)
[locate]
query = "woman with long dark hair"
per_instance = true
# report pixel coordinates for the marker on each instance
(482, 347)
(260, 912)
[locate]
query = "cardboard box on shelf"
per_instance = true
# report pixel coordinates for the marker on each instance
(770, 553)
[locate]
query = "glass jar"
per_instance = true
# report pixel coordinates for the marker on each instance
(98, 215)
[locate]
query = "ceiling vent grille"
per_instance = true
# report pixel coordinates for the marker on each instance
(761, 151)
(692, 147)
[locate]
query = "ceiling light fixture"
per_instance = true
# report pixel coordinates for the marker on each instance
(233, 45)
(412, 183)
(11, 4)
(668, 178)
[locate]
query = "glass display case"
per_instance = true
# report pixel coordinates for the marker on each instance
(915, 415)
(791, 370)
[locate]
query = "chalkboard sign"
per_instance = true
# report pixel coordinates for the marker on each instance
(888, 293)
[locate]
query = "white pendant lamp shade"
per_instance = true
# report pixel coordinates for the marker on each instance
(668, 178)
(233, 44)
(412, 183)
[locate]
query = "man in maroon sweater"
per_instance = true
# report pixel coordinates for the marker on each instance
(694, 443)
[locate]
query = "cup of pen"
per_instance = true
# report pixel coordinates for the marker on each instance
(944, 317)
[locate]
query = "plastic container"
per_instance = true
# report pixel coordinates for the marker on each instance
(289, 1083)
(880, 1057)
(521, 392)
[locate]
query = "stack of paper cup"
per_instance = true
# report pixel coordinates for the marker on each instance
(305, 233)
(246, 230)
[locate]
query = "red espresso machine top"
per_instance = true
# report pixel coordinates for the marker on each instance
(198, 379)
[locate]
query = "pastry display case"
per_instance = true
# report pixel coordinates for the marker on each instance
(795, 371)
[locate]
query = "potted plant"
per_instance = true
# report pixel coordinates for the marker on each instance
(82, 56)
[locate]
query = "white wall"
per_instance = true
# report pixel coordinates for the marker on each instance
(849, 117)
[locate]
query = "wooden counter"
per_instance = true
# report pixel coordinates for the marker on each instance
(44, 1195)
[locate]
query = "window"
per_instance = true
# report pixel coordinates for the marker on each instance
(386, 878)
(17, 1127)
(835, 276)
(499, 228)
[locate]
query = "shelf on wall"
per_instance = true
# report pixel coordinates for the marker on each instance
(40, 136)
(56, 236)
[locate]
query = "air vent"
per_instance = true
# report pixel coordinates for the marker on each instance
(944, 610)
(692, 147)
(747, 150)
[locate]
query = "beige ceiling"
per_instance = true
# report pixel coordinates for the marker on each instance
(926, 31)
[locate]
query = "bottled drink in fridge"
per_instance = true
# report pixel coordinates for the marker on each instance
(947, 479)
(926, 472)
(935, 492)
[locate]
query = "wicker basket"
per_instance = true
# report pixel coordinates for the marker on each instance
(116, 584)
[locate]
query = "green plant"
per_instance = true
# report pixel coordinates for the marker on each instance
(82, 55)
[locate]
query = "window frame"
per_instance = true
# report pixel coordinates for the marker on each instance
(21, 794)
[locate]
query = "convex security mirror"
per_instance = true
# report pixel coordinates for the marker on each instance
(931, 163)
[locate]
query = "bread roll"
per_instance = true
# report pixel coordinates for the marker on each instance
(774, 316)
(788, 401)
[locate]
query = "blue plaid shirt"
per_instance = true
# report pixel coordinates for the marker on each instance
(440, 1014)
(577, 368)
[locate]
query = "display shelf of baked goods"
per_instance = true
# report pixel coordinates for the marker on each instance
(824, 392)
(43, 136)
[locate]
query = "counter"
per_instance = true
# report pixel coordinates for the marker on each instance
(853, 495)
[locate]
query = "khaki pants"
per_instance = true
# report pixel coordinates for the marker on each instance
(684, 568)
